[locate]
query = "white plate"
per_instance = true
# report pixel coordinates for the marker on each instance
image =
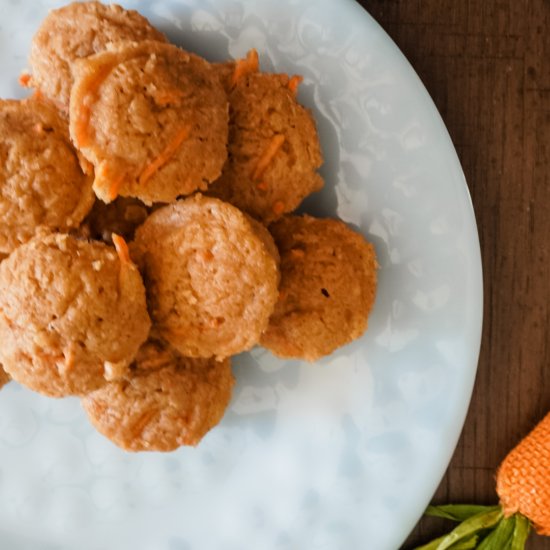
(344, 454)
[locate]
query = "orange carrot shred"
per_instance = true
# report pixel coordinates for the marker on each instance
(121, 248)
(267, 156)
(142, 421)
(90, 97)
(294, 82)
(278, 207)
(25, 80)
(70, 358)
(106, 183)
(262, 186)
(165, 155)
(115, 186)
(250, 64)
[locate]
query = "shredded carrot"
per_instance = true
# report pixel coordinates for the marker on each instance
(294, 82)
(141, 422)
(86, 166)
(115, 186)
(106, 184)
(262, 186)
(38, 95)
(278, 207)
(250, 64)
(25, 80)
(90, 96)
(297, 253)
(121, 248)
(267, 156)
(165, 155)
(207, 255)
(70, 358)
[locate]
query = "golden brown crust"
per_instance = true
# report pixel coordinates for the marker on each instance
(41, 180)
(151, 118)
(166, 400)
(78, 30)
(72, 315)
(4, 377)
(211, 279)
(273, 149)
(328, 286)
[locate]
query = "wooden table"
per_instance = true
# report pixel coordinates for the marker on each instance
(486, 64)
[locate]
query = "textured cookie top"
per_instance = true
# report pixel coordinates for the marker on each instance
(41, 180)
(151, 118)
(211, 278)
(165, 401)
(78, 30)
(273, 148)
(328, 286)
(73, 314)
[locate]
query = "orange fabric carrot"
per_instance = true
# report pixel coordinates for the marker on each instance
(267, 156)
(250, 64)
(165, 155)
(523, 487)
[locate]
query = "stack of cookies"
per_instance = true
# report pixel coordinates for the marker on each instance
(146, 228)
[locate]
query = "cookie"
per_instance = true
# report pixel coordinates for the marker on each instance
(328, 287)
(41, 179)
(151, 118)
(273, 148)
(72, 314)
(78, 30)
(211, 276)
(4, 377)
(166, 401)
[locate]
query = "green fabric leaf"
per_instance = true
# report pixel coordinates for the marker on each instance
(466, 544)
(457, 512)
(521, 532)
(466, 530)
(500, 538)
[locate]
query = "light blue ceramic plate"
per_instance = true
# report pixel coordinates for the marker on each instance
(340, 455)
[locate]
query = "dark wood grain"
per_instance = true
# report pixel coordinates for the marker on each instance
(486, 64)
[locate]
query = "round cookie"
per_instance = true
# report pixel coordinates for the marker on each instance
(211, 276)
(151, 118)
(72, 314)
(78, 30)
(328, 286)
(166, 400)
(41, 179)
(273, 148)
